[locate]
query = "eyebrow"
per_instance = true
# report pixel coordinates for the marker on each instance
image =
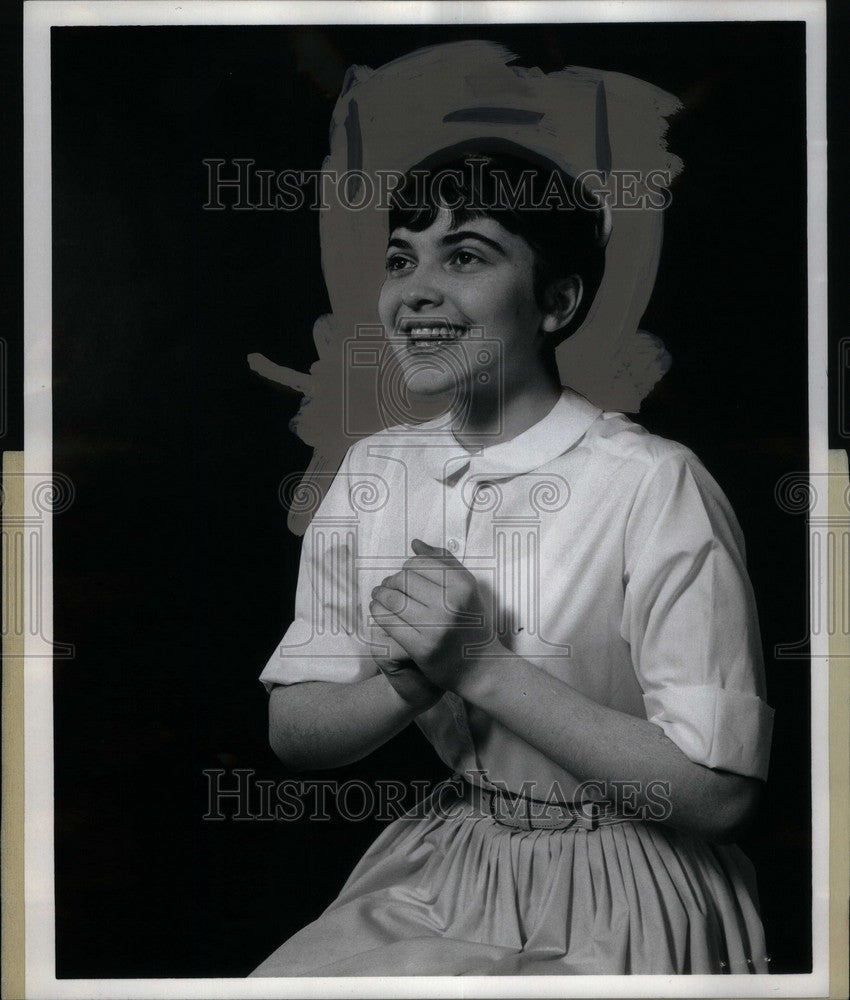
(451, 239)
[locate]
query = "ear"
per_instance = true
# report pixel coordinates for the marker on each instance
(562, 299)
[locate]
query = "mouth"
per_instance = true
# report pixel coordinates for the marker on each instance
(429, 335)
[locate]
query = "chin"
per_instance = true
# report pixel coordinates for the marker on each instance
(421, 380)
(432, 374)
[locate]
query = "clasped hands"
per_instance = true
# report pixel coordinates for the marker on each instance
(433, 615)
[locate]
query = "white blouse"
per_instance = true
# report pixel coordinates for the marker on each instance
(612, 559)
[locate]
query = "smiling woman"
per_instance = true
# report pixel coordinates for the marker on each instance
(567, 614)
(441, 285)
(488, 251)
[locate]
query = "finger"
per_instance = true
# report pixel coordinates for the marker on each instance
(440, 607)
(433, 603)
(431, 553)
(401, 635)
(421, 588)
(430, 557)
(395, 600)
(403, 582)
(392, 668)
(424, 549)
(385, 646)
(446, 592)
(441, 576)
(394, 625)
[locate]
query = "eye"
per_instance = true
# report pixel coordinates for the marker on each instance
(396, 262)
(466, 257)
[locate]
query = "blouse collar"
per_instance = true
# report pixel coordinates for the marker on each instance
(562, 427)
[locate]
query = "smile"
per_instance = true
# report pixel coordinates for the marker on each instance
(432, 335)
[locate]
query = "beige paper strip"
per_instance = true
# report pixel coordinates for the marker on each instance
(12, 960)
(839, 727)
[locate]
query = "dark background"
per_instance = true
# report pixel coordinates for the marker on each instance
(174, 571)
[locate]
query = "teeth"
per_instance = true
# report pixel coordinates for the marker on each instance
(434, 333)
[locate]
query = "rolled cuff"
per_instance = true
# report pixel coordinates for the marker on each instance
(304, 655)
(728, 730)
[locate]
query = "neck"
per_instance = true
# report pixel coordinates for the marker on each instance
(486, 419)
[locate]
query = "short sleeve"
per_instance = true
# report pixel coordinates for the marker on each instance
(691, 621)
(323, 641)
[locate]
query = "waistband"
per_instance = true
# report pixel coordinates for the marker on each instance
(520, 813)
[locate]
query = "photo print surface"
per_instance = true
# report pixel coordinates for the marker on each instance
(221, 343)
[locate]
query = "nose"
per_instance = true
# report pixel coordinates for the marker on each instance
(421, 290)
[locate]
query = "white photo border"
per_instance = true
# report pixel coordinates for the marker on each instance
(39, 17)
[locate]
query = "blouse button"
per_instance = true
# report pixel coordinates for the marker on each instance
(454, 545)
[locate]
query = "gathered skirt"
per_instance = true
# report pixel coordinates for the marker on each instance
(458, 893)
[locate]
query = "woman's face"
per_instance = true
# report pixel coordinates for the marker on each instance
(459, 309)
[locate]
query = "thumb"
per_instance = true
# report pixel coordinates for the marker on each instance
(424, 549)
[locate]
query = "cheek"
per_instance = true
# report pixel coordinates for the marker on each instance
(509, 306)
(387, 304)
(489, 302)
